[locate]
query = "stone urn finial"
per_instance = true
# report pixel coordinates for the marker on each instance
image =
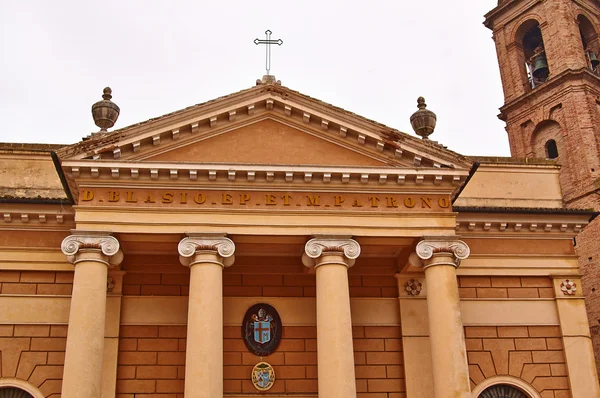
(105, 112)
(423, 121)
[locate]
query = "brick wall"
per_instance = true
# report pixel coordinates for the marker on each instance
(152, 361)
(505, 287)
(36, 282)
(256, 285)
(34, 353)
(532, 353)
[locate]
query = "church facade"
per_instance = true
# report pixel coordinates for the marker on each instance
(268, 243)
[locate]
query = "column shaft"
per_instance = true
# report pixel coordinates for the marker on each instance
(448, 351)
(334, 329)
(204, 350)
(85, 339)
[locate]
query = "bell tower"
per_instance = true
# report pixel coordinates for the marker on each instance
(548, 53)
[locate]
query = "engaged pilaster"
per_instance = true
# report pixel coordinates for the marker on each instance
(206, 255)
(91, 252)
(440, 256)
(331, 257)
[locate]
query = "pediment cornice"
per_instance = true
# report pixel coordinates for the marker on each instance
(141, 141)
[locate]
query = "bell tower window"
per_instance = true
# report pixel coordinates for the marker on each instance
(589, 40)
(529, 37)
(551, 149)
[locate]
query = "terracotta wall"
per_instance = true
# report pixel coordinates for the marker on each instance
(36, 282)
(255, 285)
(505, 287)
(34, 353)
(152, 358)
(532, 353)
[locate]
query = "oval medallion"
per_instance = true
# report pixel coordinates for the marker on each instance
(263, 376)
(261, 329)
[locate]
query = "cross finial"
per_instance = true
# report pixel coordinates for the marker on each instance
(268, 41)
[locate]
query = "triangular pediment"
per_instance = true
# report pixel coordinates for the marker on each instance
(268, 141)
(267, 124)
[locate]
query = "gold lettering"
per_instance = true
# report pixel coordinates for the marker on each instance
(149, 199)
(244, 198)
(130, 198)
(391, 202)
(444, 203)
(227, 199)
(286, 199)
(338, 200)
(167, 197)
(313, 200)
(113, 196)
(356, 203)
(270, 200)
(409, 202)
(183, 197)
(374, 201)
(86, 196)
(199, 198)
(426, 202)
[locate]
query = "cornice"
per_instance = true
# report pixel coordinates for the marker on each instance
(37, 216)
(531, 223)
(548, 86)
(114, 172)
(283, 102)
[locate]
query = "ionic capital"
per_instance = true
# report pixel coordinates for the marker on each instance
(73, 246)
(439, 251)
(320, 245)
(197, 244)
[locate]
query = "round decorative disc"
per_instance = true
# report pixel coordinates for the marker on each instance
(263, 376)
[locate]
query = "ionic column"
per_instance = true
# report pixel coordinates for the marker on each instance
(91, 253)
(206, 255)
(331, 257)
(440, 256)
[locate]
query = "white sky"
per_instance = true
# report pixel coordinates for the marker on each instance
(372, 58)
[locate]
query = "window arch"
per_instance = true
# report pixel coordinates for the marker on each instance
(503, 387)
(589, 41)
(532, 54)
(546, 139)
(17, 388)
(551, 149)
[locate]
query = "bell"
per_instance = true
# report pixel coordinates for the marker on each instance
(593, 59)
(540, 67)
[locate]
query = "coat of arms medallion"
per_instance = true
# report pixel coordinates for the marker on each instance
(263, 376)
(261, 329)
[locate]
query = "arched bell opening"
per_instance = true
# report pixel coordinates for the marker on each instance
(14, 392)
(502, 391)
(529, 37)
(589, 40)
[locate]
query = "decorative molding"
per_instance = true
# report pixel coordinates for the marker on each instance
(110, 284)
(568, 287)
(413, 287)
(98, 240)
(510, 380)
(315, 248)
(189, 246)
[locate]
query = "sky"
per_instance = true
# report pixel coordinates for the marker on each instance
(371, 58)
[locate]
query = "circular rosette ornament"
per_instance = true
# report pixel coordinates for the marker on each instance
(263, 376)
(413, 287)
(568, 287)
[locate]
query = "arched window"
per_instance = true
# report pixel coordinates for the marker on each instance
(551, 149)
(533, 57)
(502, 391)
(589, 40)
(14, 392)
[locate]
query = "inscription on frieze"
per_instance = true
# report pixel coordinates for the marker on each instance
(271, 199)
